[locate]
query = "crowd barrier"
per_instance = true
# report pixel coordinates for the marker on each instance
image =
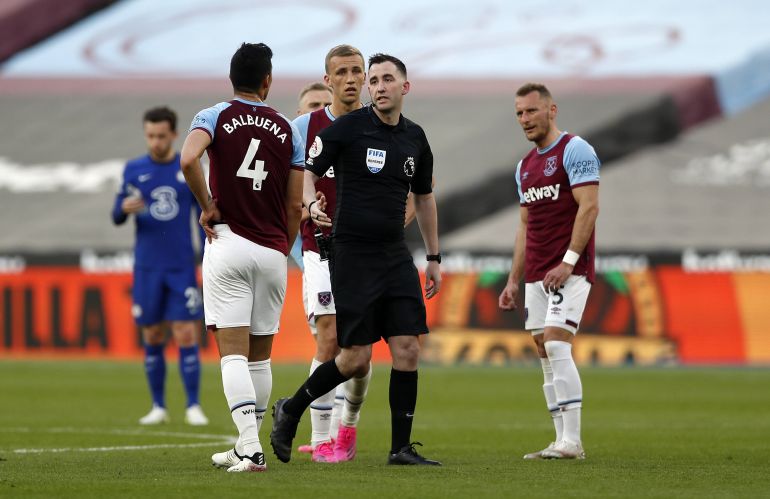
(656, 314)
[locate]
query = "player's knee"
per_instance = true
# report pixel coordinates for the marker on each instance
(185, 333)
(406, 351)
(354, 363)
(326, 338)
(153, 335)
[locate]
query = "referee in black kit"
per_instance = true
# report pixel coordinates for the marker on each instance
(378, 156)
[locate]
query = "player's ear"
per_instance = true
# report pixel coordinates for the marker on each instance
(405, 88)
(266, 86)
(553, 111)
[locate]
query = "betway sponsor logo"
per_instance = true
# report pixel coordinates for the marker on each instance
(537, 193)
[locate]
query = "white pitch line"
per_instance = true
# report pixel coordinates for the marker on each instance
(118, 448)
(117, 431)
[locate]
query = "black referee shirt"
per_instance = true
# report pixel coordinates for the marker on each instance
(375, 166)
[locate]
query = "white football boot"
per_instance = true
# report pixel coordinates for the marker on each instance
(194, 416)
(564, 450)
(157, 415)
(253, 463)
(539, 454)
(226, 459)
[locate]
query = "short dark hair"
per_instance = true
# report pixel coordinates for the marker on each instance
(160, 114)
(380, 58)
(528, 88)
(249, 67)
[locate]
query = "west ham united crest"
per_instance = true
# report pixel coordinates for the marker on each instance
(550, 166)
(409, 166)
(325, 298)
(375, 159)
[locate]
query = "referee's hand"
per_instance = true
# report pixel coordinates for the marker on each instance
(432, 279)
(318, 216)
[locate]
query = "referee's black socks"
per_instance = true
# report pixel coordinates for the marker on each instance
(403, 400)
(323, 380)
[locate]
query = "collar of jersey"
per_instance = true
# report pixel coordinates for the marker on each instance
(552, 144)
(377, 121)
(249, 102)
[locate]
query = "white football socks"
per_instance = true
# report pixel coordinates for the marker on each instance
(550, 398)
(339, 401)
(355, 394)
(320, 413)
(262, 379)
(566, 383)
(241, 398)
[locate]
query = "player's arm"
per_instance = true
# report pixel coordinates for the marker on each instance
(582, 167)
(321, 156)
(119, 216)
(192, 151)
(587, 198)
(427, 218)
(410, 213)
(507, 299)
(314, 202)
(294, 203)
(126, 203)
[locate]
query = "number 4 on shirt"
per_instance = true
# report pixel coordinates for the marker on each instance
(258, 174)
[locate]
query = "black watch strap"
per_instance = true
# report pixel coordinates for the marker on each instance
(434, 258)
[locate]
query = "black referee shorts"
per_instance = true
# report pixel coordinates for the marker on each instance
(377, 293)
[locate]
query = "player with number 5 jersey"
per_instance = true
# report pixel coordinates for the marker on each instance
(251, 218)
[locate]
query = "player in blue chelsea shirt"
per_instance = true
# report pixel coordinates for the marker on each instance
(165, 288)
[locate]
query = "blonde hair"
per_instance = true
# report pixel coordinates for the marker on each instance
(342, 51)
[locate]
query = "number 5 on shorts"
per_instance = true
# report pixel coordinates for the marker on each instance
(258, 174)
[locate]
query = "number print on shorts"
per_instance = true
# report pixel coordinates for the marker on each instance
(193, 299)
(258, 174)
(164, 206)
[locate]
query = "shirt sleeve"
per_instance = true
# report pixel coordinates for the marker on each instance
(581, 163)
(322, 155)
(298, 147)
(518, 183)
(423, 176)
(206, 120)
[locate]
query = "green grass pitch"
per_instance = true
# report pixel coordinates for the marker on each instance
(68, 429)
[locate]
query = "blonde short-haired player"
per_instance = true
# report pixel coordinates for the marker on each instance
(554, 253)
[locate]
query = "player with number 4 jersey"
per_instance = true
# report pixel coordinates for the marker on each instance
(256, 168)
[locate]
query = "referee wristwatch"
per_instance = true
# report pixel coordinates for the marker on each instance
(434, 258)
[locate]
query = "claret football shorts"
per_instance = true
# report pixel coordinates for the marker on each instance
(244, 284)
(563, 308)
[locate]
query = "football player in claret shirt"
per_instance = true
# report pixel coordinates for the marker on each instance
(165, 288)
(256, 168)
(554, 252)
(312, 97)
(334, 416)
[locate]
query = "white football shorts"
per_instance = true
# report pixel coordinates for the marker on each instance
(563, 308)
(316, 288)
(244, 284)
